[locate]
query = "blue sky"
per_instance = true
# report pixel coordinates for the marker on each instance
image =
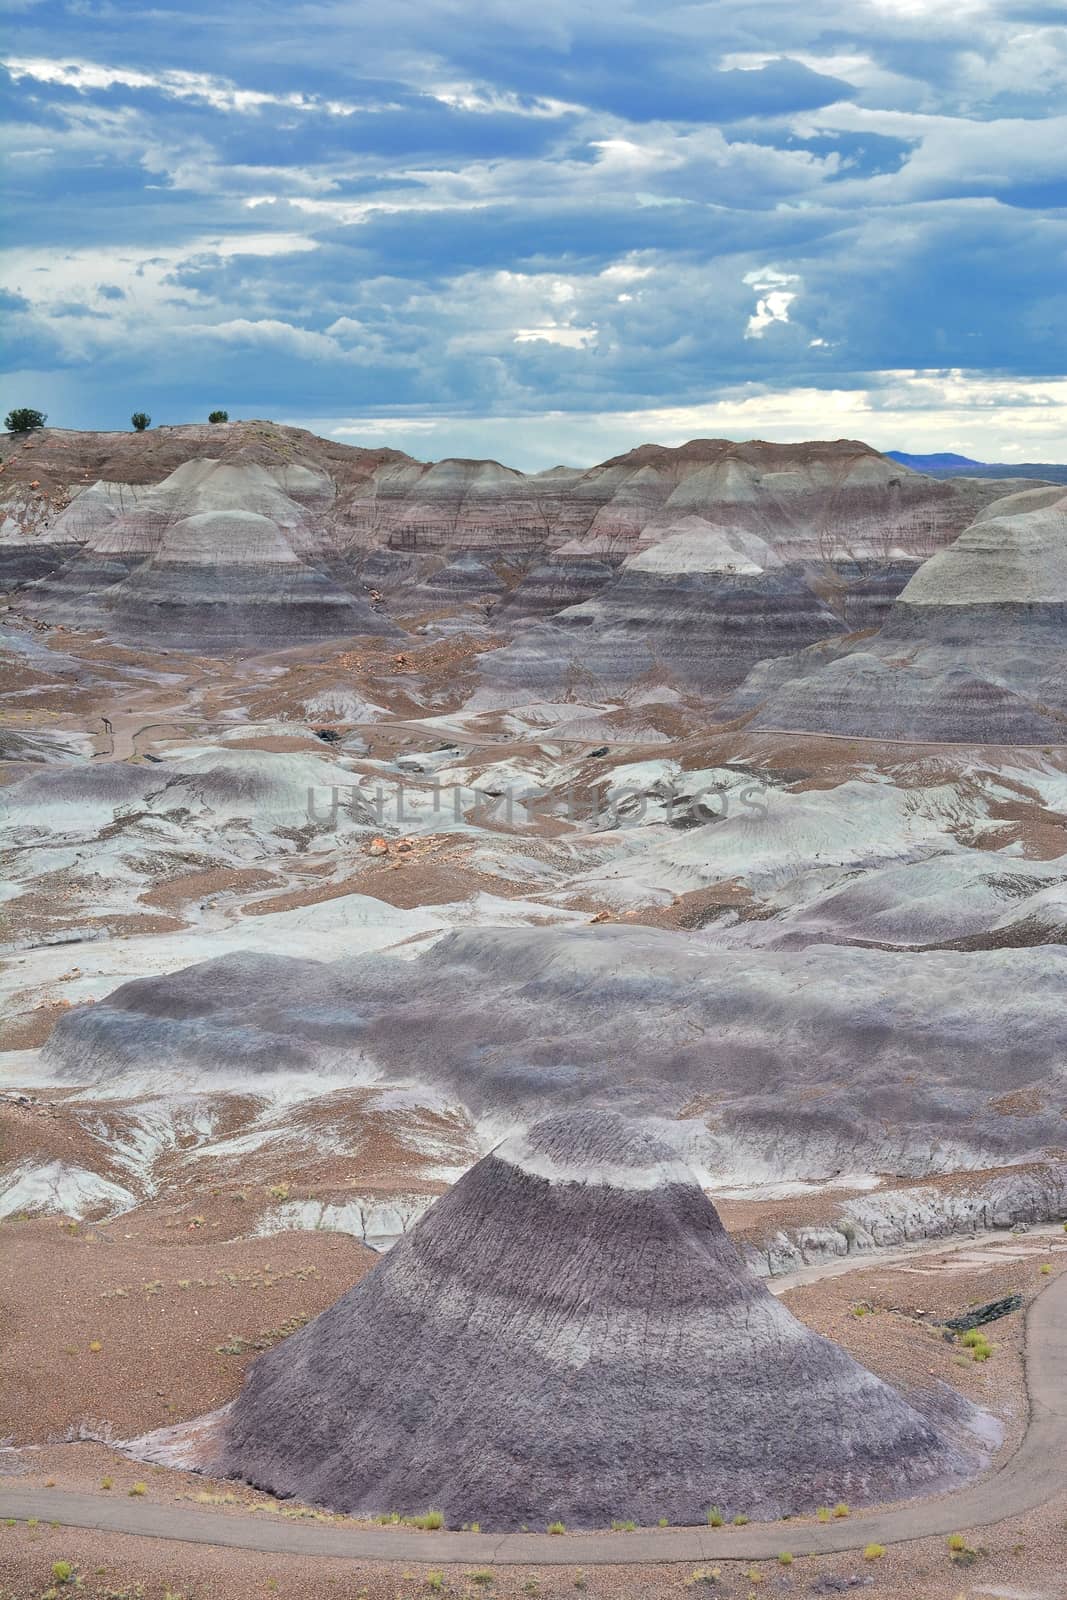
(544, 232)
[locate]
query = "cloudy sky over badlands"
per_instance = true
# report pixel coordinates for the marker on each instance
(549, 236)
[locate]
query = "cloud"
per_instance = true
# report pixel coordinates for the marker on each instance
(620, 213)
(775, 299)
(986, 419)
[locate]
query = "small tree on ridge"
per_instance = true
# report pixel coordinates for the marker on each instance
(141, 420)
(218, 416)
(24, 419)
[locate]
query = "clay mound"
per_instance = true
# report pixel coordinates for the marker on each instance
(218, 553)
(570, 1334)
(974, 649)
(460, 582)
(705, 627)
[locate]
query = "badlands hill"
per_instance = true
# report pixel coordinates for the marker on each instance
(570, 1335)
(974, 647)
(696, 562)
(359, 812)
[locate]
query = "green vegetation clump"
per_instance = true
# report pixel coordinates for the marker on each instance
(785, 1559)
(140, 421)
(960, 1551)
(557, 1527)
(24, 419)
(715, 1518)
(218, 416)
(138, 1489)
(740, 1520)
(872, 1552)
(62, 1571)
(841, 1509)
(431, 1521)
(976, 1342)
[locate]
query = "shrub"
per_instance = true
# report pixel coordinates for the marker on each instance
(218, 416)
(62, 1571)
(785, 1559)
(841, 1509)
(1045, 1269)
(740, 1520)
(823, 1514)
(435, 1581)
(430, 1520)
(872, 1552)
(138, 1489)
(141, 420)
(663, 1523)
(557, 1527)
(956, 1541)
(483, 1576)
(618, 1526)
(715, 1518)
(24, 419)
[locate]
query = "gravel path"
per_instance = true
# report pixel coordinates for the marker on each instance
(1033, 1475)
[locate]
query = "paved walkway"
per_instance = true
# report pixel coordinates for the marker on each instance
(1034, 1474)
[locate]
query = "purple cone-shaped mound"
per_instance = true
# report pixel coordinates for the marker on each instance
(570, 1334)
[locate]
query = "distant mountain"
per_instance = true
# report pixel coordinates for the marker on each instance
(948, 465)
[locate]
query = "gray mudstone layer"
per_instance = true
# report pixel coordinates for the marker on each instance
(819, 1060)
(705, 629)
(570, 1335)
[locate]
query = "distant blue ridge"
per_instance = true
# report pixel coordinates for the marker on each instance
(948, 465)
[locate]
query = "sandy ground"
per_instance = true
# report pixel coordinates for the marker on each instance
(1021, 1559)
(100, 1328)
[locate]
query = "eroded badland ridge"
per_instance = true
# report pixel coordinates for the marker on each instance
(696, 823)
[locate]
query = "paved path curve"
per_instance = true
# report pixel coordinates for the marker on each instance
(1032, 1476)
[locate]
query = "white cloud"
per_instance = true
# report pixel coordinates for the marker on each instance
(775, 299)
(219, 93)
(988, 419)
(571, 338)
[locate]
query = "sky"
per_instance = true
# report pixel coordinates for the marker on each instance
(543, 232)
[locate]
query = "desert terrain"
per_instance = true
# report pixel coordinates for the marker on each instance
(360, 812)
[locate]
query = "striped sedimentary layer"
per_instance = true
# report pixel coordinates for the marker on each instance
(215, 555)
(809, 1057)
(702, 627)
(974, 649)
(570, 1335)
